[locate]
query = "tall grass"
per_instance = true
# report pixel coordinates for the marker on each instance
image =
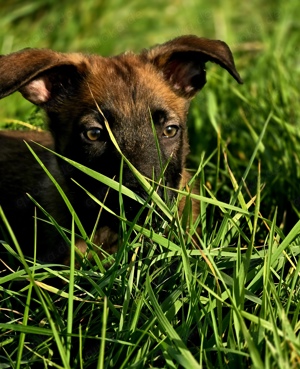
(232, 300)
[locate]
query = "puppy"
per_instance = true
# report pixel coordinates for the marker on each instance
(134, 93)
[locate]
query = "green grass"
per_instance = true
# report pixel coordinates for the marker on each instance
(232, 302)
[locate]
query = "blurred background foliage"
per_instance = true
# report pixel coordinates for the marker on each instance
(264, 37)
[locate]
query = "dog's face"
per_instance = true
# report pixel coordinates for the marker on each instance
(141, 96)
(138, 105)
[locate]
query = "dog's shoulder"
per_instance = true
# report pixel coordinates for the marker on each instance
(10, 140)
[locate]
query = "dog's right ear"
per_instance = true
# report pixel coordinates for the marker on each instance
(181, 62)
(41, 75)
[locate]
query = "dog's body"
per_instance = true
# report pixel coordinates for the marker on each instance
(76, 91)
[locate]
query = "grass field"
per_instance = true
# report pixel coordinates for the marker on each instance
(233, 302)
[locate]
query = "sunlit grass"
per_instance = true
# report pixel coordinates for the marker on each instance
(227, 297)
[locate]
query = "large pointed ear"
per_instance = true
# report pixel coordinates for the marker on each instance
(182, 62)
(41, 75)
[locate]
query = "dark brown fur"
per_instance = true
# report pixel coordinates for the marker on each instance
(127, 88)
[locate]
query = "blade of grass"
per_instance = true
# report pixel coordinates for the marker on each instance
(71, 293)
(101, 357)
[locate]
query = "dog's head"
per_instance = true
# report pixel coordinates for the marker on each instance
(130, 90)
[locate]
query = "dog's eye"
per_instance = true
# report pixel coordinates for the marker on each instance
(170, 131)
(93, 134)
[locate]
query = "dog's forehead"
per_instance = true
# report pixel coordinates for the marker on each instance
(130, 84)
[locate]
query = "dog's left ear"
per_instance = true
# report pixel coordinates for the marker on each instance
(182, 62)
(42, 76)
